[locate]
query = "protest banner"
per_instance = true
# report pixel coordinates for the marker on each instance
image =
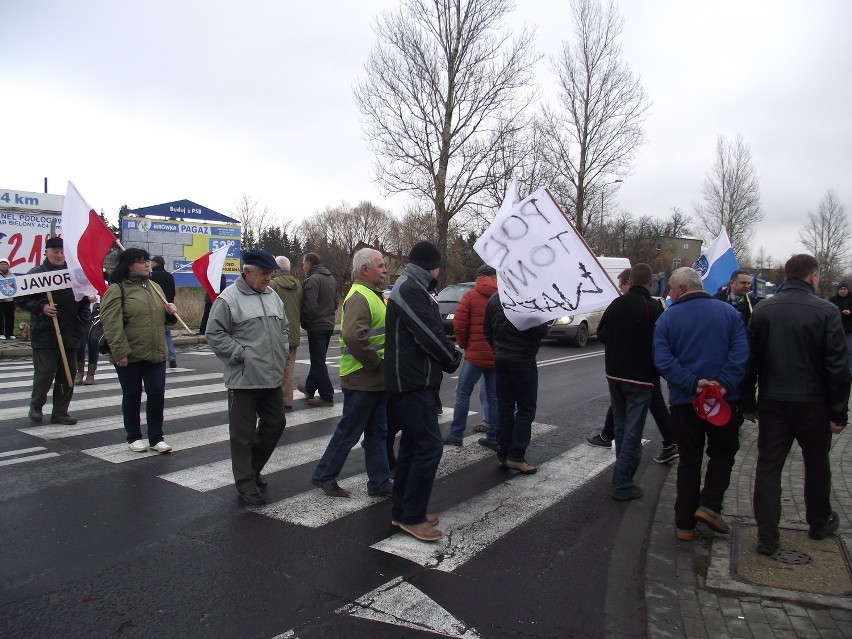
(16, 285)
(544, 267)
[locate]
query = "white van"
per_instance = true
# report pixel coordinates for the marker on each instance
(577, 329)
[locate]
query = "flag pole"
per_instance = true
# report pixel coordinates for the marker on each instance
(68, 377)
(161, 296)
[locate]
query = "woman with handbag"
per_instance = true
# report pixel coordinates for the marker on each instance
(134, 313)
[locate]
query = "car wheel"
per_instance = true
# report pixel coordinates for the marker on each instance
(582, 336)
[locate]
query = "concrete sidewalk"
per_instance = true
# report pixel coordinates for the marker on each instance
(718, 586)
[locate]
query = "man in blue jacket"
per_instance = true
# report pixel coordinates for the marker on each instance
(417, 352)
(701, 342)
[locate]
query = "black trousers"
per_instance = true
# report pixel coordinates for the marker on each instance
(7, 315)
(780, 424)
(723, 442)
(255, 423)
(47, 370)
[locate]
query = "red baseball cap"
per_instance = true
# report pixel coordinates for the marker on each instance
(709, 405)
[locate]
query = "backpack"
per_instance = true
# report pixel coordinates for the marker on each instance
(96, 337)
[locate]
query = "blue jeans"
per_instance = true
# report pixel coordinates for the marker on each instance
(420, 450)
(363, 413)
(629, 410)
(318, 380)
(132, 377)
(170, 343)
(517, 394)
(469, 374)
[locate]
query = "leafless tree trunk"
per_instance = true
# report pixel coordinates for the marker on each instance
(731, 196)
(594, 134)
(444, 86)
(253, 221)
(825, 236)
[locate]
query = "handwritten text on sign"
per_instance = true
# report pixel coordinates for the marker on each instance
(544, 269)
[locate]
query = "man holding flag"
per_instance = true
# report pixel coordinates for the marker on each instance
(57, 322)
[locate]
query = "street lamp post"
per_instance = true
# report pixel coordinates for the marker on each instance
(603, 188)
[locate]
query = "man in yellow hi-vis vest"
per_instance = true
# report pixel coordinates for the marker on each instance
(362, 344)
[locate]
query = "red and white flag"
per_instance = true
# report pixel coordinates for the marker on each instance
(86, 240)
(208, 270)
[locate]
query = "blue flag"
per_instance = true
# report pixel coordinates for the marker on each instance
(717, 263)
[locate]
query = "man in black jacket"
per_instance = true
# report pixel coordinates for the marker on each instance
(73, 318)
(627, 331)
(799, 361)
(736, 293)
(319, 304)
(517, 384)
(417, 353)
(166, 280)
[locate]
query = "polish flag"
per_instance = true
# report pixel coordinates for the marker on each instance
(208, 270)
(86, 240)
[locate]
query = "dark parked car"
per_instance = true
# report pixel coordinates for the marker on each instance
(448, 300)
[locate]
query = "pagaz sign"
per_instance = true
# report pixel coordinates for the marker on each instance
(35, 283)
(26, 221)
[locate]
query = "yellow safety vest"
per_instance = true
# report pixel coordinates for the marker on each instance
(376, 335)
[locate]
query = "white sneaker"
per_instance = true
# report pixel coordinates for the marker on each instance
(161, 447)
(11, 337)
(138, 446)
(2, 337)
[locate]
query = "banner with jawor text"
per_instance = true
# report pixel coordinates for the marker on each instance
(544, 267)
(16, 285)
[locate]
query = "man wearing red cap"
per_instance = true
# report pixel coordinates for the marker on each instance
(701, 342)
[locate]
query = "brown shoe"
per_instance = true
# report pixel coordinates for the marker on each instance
(319, 401)
(522, 467)
(714, 520)
(684, 535)
(331, 488)
(431, 519)
(301, 389)
(423, 532)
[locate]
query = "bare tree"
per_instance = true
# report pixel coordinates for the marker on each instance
(594, 134)
(731, 196)
(253, 220)
(825, 236)
(444, 86)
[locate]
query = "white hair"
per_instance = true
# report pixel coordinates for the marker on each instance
(689, 277)
(363, 257)
(283, 263)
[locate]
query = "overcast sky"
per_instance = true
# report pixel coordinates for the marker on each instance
(144, 103)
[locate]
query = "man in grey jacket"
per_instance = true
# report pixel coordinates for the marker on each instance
(319, 304)
(247, 330)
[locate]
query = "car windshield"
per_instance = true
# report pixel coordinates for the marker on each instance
(454, 292)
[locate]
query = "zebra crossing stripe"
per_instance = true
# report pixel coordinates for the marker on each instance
(314, 509)
(219, 474)
(27, 383)
(119, 453)
(115, 400)
(478, 522)
(28, 458)
(21, 451)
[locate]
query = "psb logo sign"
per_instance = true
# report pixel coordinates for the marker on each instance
(144, 226)
(701, 265)
(8, 287)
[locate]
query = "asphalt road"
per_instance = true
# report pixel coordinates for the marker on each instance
(100, 542)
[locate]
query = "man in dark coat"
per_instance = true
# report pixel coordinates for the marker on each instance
(799, 359)
(319, 305)
(417, 353)
(843, 301)
(166, 280)
(73, 318)
(627, 331)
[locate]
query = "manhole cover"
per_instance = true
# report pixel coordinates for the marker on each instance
(792, 557)
(802, 564)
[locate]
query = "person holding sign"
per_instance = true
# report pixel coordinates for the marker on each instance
(55, 326)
